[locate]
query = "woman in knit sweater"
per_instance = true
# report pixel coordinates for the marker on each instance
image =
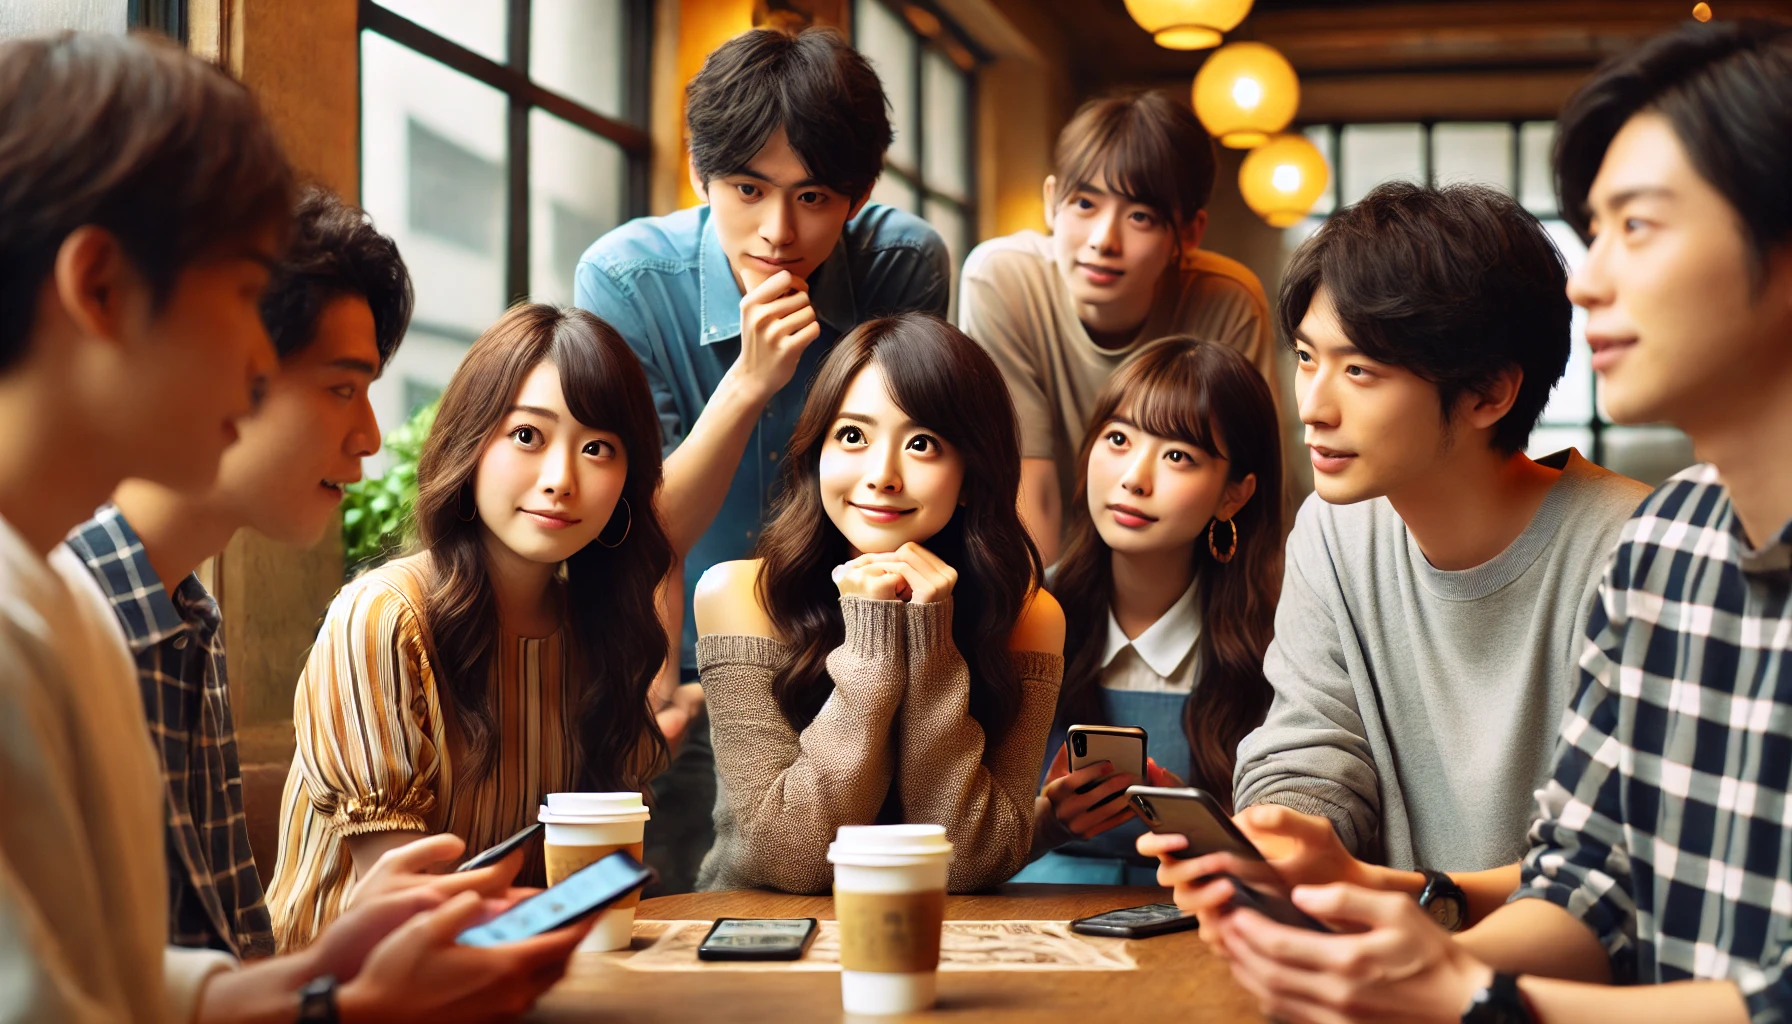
(888, 656)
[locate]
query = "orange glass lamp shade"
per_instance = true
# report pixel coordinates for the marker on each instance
(1188, 24)
(1245, 93)
(1283, 178)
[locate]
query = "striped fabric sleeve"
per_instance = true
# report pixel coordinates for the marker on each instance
(1579, 859)
(364, 722)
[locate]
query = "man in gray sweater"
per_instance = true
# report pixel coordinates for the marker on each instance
(1436, 583)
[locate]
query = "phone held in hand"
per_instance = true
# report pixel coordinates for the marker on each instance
(1136, 922)
(1122, 746)
(1273, 905)
(1193, 813)
(504, 849)
(584, 892)
(741, 938)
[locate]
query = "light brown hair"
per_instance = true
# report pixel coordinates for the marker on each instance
(1148, 147)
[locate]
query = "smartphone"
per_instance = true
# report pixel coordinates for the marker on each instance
(742, 938)
(584, 892)
(1272, 905)
(1136, 922)
(500, 851)
(1122, 746)
(1192, 813)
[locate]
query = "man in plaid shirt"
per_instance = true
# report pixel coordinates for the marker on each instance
(1661, 859)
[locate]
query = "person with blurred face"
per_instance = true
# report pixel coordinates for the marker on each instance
(1122, 265)
(1435, 582)
(144, 206)
(732, 304)
(1656, 862)
(887, 657)
(1169, 592)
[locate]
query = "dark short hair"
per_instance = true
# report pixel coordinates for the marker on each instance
(811, 84)
(1726, 87)
(1456, 284)
(336, 252)
(1149, 147)
(133, 135)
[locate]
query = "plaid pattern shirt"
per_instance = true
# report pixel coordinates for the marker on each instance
(214, 895)
(1668, 825)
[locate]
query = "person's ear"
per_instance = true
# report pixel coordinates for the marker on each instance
(1236, 494)
(1193, 230)
(92, 277)
(1051, 201)
(1490, 405)
(698, 185)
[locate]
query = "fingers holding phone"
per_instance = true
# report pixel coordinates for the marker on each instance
(1086, 801)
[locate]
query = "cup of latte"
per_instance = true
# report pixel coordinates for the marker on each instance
(583, 828)
(890, 900)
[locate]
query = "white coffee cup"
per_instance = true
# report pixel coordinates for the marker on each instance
(583, 828)
(890, 900)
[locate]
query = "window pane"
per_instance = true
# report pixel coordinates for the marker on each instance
(1572, 399)
(1649, 454)
(948, 104)
(1320, 135)
(889, 44)
(892, 189)
(1538, 189)
(433, 173)
(1478, 153)
(578, 183)
(948, 219)
(577, 48)
(1549, 440)
(477, 25)
(1374, 153)
(419, 370)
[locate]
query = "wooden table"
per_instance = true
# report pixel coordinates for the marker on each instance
(1177, 978)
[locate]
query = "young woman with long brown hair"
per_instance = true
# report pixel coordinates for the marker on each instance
(511, 655)
(1169, 584)
(888, 657)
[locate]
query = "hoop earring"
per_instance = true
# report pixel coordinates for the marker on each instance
(627, 525)
(1231, 550)
(460, 503)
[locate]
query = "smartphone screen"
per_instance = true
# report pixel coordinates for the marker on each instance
(502, 850)
(736, 938)
(1135, 917)
(589, 889)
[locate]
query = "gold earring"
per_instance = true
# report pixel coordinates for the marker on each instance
(627, 524)
(1231, 549)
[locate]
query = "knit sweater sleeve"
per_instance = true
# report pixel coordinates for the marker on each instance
(784, 792)
(949, 774)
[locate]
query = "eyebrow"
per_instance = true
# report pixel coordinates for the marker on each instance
(748, 172)
(355, 366)
(1346, 349)
(870, 421)
(537, 410)
(1619, 198)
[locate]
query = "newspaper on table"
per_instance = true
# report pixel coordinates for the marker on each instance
(964, 946)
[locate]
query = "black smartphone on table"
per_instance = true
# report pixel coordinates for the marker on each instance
(1136, 922)
(582, 893)
(500, 851)
(763, 938)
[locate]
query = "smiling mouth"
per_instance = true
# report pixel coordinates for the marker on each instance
(1131, 513)
(1607, 350)
(774, 261)
(881, 513)
(1095, 268)
(548, 518)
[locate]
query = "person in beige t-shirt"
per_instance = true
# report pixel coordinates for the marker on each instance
(1122, 267)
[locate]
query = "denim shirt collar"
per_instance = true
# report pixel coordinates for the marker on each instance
(830, 288)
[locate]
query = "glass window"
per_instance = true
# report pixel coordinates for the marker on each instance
(478, 25)
(1478, 154)
(948, 110)
(579, 48)
(576, 184)
(1320, 135)
(889, 44)
(893, 189)
(1538, 190)
(1374, 153)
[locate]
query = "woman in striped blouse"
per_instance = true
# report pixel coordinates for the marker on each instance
(512, 654)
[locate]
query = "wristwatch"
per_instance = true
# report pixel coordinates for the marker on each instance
(317, 1001)
(1444, 900)
(1499, 1003)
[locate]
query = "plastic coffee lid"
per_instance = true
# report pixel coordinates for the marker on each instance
(892, 844)
(592, 808)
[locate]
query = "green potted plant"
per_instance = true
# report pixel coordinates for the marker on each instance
(376, 510)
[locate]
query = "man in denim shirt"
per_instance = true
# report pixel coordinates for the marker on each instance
(731, 305)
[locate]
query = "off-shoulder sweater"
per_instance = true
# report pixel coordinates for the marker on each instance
(895, 742)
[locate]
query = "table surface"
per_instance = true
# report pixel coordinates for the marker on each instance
(1175, 973)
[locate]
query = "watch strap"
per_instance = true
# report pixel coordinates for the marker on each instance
(1439, 886)
(317, 1001)
(1499, 1003)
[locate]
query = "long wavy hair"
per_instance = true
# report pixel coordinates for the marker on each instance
(611, 630)
(940, 378)
(1202, 394)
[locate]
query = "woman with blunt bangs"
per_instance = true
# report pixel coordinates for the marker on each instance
(510, 656)
(888, 657)
(1170, 580)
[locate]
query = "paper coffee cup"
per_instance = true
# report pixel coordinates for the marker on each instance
(583, 828)
(890, 900)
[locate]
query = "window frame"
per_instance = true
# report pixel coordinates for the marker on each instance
(168, 17)
(524, 95)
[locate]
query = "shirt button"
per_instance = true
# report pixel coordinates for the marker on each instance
(774, 456)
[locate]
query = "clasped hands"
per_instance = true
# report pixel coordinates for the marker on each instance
(1389, 961)
(910, 573)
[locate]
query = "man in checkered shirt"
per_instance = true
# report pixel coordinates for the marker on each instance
(1661, 859)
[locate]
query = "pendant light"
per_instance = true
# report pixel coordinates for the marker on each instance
(1282, 178)
(1245, 93)
(1188, 24)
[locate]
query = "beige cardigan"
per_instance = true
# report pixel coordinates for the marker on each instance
(898, 717)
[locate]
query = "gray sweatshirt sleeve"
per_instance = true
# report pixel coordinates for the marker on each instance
(1312, 752)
